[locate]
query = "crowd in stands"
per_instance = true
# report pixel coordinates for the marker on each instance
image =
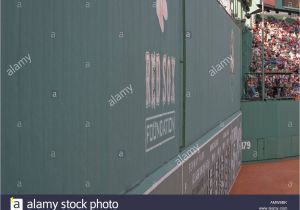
(281, 59)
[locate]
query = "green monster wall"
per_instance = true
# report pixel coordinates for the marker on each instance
(110, 91)
(211, 97)
(75, 118)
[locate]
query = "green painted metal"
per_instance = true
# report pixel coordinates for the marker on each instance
(294, 146)
(209, 31)
(260, 148)
(213, 37)
(69, 126)
(278, 4)
(272, 128)
(77, 142)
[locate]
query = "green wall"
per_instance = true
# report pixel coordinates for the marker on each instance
(60, 132)
(214, 37)
(272, 127)
(77, 142)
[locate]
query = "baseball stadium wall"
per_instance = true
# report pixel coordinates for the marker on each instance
(271, 127)
(117, 97)
(270, 130)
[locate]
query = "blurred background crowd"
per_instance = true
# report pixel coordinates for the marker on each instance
(281, 59)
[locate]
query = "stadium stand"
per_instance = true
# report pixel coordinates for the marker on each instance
(281, 59)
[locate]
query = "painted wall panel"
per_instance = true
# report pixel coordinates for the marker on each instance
(295, 145)
(249, 149)
(77, 116)
(213, 79)
(97, 105)
(277, 122)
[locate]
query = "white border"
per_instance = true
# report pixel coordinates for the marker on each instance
(160, 143)
(164, 141)
(159, 115)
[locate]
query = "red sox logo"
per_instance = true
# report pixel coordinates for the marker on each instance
(162, 13)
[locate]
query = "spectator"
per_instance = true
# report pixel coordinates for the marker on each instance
(281, 55)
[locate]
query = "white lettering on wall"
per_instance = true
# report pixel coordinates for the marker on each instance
(154, 74)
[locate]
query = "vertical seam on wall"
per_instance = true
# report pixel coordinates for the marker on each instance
(182, 145)
(0, 101)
